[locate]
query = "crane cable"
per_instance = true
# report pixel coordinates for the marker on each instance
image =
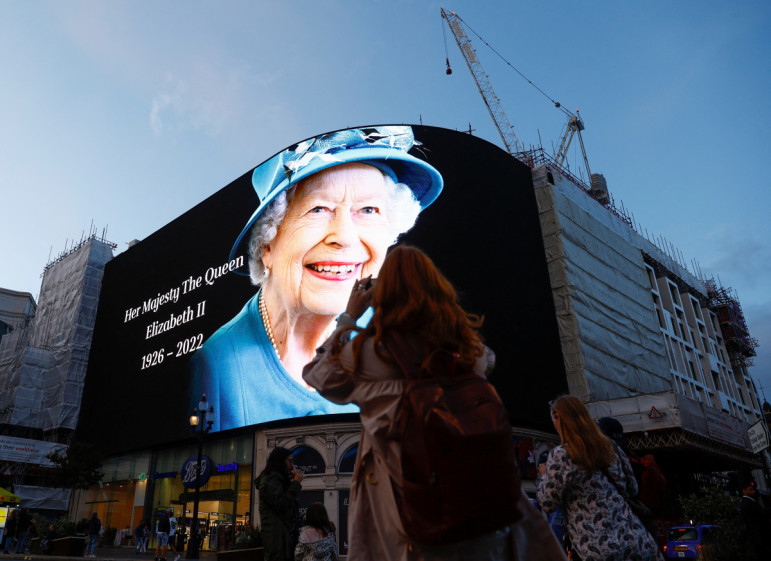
(557, 104)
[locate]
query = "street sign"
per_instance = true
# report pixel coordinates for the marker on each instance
(758, 437)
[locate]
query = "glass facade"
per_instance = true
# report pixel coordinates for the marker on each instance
(119, 500)
(224, 500)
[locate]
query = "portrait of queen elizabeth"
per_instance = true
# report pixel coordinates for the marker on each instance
(329, 209)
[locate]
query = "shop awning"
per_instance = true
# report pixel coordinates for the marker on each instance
(6, 497)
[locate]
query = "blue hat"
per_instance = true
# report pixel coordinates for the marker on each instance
(383, 147)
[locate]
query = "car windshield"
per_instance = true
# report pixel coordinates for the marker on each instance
(682, 534)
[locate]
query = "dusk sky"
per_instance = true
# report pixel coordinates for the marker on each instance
(126, 114)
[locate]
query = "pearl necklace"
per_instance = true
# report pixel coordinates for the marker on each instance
(266, 323)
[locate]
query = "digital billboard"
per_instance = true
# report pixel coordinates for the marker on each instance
(232, 298)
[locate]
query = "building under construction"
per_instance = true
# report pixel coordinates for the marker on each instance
(644, 340)
(43, 366)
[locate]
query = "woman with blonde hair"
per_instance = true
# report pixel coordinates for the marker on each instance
(590, 480)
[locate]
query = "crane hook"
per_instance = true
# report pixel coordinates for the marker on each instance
(449, 69)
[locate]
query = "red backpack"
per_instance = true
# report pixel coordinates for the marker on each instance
(459, 467)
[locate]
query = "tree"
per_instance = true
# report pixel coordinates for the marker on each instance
(712, 505)
(78, 467)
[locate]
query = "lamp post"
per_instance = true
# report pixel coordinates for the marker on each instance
(201, 421)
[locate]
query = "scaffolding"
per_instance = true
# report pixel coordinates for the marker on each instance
(43, 366)
(724, 302)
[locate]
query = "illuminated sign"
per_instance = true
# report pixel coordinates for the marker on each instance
(188, 471)
(176, 315)
(165, 475)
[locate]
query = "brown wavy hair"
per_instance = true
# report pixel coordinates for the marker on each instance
(316, 517)
(413, 297)
(582, 439)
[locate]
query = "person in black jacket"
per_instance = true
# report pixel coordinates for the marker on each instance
(94, 527)
(49, 536)
(279, 486)
(10, 529)
(756, 518)
(25, 521)
(162, 543)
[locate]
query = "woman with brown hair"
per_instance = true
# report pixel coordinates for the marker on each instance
(317, 538)
(589, 480)
(412, 299)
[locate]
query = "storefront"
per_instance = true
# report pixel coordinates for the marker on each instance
(225, 493)
(119, 500)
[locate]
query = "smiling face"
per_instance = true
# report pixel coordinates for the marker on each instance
(335, 232)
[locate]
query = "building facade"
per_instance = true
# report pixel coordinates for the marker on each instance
(16, 310)
(646, 341)
(43, 366)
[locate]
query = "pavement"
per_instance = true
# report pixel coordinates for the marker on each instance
(104, 554)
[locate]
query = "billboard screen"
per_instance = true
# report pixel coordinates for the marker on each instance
(179, 315)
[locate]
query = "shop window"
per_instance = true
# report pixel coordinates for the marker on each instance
(309, 460)
(348, 461)
(306, 499)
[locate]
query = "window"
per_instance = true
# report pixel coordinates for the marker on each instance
(696, 309)
(674, 294)
(348, 461)
(308, 460)
(651, 278)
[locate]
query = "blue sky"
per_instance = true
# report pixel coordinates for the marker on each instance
(126, 114)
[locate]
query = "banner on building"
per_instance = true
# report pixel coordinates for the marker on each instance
(22, 450)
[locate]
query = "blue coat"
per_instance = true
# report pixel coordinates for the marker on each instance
(243, 378)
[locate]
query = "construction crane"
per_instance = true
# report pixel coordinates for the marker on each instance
(574, 125)
(510, 140)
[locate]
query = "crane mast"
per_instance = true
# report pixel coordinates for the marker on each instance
(510, 140)
(575, 126)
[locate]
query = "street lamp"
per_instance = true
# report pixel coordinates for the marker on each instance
(201, 421)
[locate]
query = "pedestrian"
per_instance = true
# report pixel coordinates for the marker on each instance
(173, 533)
(278, 485)
(47, 539)
(11, 524)
(651, 482)
(412, 300)
(181, 533)
(139, 535)
(756, 519)
(317, 540)
(591, 482)
(163, 528)
(22, 529)
(145, 538)
(94, 528)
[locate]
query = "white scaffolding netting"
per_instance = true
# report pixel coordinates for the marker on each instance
(42, 367)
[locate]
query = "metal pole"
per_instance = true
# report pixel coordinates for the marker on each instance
(192, 547)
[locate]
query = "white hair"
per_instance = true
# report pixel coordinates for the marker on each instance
(402, 212)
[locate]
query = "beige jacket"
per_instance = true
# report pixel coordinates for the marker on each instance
(375, 530)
